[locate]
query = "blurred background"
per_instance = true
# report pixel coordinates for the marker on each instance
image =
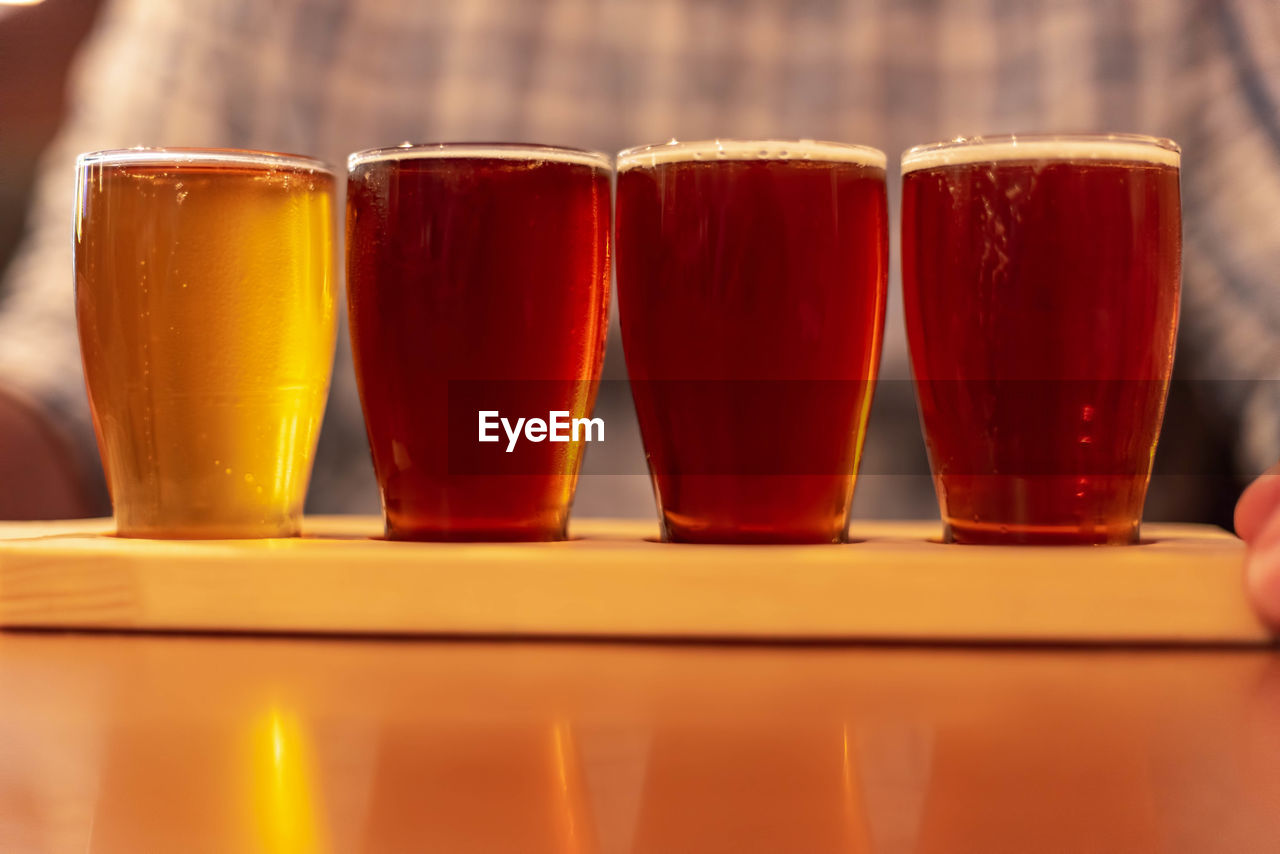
(37, 43)
(325, 77)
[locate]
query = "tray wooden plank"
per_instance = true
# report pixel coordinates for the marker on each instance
(1184, 585)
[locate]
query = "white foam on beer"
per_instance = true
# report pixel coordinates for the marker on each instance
(712, 150)
(481, 151)
(1131, 149)
(194, 156)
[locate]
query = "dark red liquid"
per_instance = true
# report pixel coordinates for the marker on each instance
(1041, 304)
(751, 295)
(475, 283)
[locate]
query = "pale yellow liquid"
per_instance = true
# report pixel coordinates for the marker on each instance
(205, 301)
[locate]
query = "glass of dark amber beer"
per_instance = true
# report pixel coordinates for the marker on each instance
(751, 290)
(205, 304)
(1041, 277)
(477, 281)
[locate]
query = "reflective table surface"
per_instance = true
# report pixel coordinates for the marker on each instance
(113, 743)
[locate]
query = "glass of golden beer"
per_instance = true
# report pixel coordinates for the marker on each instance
(205, 305)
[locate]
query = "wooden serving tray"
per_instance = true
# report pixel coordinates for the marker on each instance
(1183, 585)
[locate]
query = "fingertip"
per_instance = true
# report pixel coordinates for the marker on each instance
(1262, 574)
(1257, 504)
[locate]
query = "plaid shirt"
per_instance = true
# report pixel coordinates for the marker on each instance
(328, 77)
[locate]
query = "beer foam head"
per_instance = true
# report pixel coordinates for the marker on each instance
(481, 151)
(141, 156)
(1130, 148)
(713, 150)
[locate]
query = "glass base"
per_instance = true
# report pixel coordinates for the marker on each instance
(477, 534)
(749, 535)
(210, 530)
(998, 534)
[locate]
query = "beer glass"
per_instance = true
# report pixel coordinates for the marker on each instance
(751, 291)
(205, 304)
(1040, 278)
(478, 282)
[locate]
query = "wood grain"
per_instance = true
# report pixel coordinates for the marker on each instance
(1183, 585)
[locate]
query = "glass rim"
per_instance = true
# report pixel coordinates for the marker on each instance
(180, 156)
(783, 150)
(1131, 147)
(479, 151)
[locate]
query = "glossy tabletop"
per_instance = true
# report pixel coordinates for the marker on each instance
(115, 743)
